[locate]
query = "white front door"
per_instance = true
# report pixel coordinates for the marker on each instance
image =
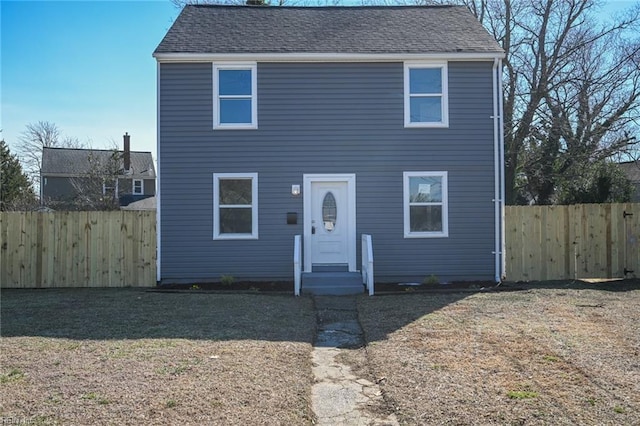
(329, 219)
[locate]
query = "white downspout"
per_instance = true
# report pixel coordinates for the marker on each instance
(497, 176)
(502, 188)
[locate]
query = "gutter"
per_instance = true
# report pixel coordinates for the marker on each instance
(326, 57)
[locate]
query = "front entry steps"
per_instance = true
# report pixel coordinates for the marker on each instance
(332, 283)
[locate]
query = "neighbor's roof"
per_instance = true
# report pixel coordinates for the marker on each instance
(203, 29)
(632, 170)
(75, 162)
(149, 203)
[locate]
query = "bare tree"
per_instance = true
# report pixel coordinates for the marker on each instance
(99, 188)
(42, 134)
(570, 86)
(585, 120)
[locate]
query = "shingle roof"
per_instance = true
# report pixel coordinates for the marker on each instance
(75, 162)
(632, 170)
(361, 30)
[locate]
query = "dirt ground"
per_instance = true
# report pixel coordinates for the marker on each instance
(89, 356)
(558, 353)
(553, 354)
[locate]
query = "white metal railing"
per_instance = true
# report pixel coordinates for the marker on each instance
(297, 264)
(367, 263)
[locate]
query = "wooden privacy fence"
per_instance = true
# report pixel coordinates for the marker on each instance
(77, 249)
(572, 242)
(118, 249)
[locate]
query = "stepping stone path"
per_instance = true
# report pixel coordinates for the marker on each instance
(338, 396)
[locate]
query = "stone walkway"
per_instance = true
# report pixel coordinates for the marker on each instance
(338, 396)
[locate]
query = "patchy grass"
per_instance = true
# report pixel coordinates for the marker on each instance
(554, 354)
(559, 354)
(126, 356)
(522, 394)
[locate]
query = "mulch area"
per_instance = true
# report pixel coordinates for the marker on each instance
(402, 288)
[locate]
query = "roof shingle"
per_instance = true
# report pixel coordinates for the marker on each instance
(358, 30)
(75, 162)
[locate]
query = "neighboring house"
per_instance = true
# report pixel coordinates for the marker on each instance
(632, 170)
(69, 176)
(329, 123)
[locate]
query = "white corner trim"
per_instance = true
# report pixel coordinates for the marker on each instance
(158, 201)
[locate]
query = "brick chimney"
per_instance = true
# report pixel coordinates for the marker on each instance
(126, 155)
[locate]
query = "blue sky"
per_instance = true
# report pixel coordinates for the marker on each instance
(84, 65)
(87, 66)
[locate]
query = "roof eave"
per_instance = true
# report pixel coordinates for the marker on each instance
(327, 57)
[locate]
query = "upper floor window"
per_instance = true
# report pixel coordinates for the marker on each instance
(110, 186)
(235, 94)
(425, 94)
(138, 187)
(426, 212)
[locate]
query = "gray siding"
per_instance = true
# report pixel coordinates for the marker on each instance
(58, 188)
(62, 189)
(325, 118)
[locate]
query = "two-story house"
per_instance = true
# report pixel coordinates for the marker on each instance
(72, 178)
(329, 123)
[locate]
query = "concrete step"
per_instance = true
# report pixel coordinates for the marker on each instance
(332, 283)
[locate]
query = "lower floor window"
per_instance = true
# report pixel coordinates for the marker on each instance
(235, 205)
(425, 204)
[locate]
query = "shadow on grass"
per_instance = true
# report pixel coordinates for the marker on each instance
(614, 284)
(139, 314)
(104, 314)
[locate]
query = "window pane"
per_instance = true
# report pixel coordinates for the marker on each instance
(235, 220)
(329, 212)
(425, 218)
(235, 111)
(426, 110)
(234, 82)
(235, 191)
(425, 80)
(425, 189)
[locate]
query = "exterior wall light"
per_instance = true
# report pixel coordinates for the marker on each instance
(295, 190)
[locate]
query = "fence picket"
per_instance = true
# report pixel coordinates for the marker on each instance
(578, 241)
(118, 249)
(77, 249)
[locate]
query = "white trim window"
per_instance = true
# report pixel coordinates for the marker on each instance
(137, 187)
(426, 102)
(235, 206)
(426, 211)
(235, 96)
(110, 187)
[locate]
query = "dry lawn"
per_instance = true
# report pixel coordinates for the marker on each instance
(564, 354)
(114, 356)
(545, 356)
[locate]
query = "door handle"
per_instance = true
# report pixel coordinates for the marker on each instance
(313, 230)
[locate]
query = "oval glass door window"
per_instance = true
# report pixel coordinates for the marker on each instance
(329, 212)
